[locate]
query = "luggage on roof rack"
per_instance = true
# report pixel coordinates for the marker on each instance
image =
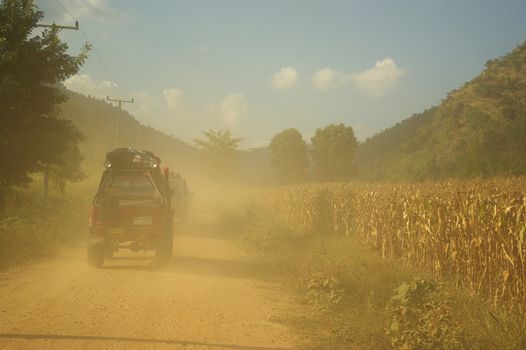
(131, 158)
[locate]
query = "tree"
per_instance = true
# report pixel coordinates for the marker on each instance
(32, 66)
(334, 152)
(289, 157)
(219, 151)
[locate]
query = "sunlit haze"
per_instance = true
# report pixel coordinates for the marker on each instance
(263, 175)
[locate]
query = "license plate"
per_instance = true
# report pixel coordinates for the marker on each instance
(116, 230)
(142, 220)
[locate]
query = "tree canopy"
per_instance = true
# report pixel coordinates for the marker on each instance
(334, 151)
(32, 65)
(219, 150)
(289, 156)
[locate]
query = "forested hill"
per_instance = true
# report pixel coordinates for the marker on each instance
(97, 121)
(477, 130)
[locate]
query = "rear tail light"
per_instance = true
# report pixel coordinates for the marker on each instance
(92, 216)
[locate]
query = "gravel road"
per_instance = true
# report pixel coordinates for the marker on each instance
(211, 297)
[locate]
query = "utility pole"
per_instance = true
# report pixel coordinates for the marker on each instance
(59, 27)
(118, 116)
(45, 171)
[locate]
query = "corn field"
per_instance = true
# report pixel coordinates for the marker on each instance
(470, 233)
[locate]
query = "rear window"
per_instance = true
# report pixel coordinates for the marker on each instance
(133, 184)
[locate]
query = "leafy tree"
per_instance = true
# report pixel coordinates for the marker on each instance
(289, 156)
(219, 151)
(334, 151)
(31, 67)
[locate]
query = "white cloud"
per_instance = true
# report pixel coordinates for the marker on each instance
(378, 80)
(145, 105)
(86, 85)
(326, 78)
(152, 109)
(286, 78)
(375, 81)
(173, 98)
(85, 8)
(79, 9)
(232, 106)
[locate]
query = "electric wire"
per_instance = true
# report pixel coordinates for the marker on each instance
(90, 42)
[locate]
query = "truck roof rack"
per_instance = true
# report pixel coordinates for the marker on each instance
(131, 158)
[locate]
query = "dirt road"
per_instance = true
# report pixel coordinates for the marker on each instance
(211, 297)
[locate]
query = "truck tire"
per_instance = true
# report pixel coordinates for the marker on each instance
(109, 249)
(96, 254)
(164, 251)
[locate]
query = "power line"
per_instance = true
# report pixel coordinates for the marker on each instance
(112, 77)
(77, 27)
(102, 93)
(65, 9)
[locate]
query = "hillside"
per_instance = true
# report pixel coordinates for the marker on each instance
(97, 121)
(477, 130)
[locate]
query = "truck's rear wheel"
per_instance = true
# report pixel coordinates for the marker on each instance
(96, 255)
(163, 251)
(109, 249)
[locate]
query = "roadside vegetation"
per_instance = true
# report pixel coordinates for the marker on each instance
(29, 231)
(33, 139)
(363, 258)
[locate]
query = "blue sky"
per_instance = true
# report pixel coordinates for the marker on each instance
(258, 67)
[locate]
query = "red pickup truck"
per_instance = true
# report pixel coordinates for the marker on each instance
(132, 208)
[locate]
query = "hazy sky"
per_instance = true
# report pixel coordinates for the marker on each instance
(258, 67)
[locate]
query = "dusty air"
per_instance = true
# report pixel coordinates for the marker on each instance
(270, 175)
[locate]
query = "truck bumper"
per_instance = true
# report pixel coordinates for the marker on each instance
(99, 235)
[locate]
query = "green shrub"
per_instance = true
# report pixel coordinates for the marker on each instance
(324, 292)
(27, 230)
(422, 317)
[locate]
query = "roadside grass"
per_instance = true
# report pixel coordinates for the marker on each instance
(29, 231)
(357, 300)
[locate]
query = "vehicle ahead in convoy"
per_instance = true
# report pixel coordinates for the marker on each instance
(181, 196)
(132, 208)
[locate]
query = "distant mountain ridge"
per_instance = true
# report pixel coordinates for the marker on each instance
(477, 130)
(97, 121)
